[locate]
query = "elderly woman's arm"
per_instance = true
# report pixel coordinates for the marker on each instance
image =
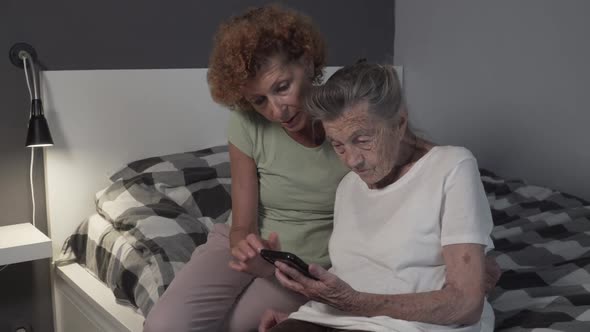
(459, 302)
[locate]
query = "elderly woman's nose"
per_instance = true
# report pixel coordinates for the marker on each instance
(353, 159)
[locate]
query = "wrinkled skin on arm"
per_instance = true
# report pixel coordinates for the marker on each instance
(459, 302)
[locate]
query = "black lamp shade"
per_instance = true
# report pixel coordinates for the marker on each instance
(38, 133)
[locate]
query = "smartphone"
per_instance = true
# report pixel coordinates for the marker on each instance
(288, 258)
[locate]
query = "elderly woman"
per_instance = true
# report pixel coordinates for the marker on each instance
(411, 226)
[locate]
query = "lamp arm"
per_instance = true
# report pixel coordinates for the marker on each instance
(26, 57)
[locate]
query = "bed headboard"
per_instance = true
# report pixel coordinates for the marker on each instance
(103, 119)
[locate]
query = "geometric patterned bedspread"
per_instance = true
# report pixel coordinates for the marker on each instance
(542, 240)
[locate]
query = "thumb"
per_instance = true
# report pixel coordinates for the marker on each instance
(319, 272)
(273, 241)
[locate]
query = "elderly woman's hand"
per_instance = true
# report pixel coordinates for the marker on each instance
(270, 319)
(328, 288)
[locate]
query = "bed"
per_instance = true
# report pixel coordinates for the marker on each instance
(127, 139)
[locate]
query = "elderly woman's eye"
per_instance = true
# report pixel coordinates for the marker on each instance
(339, 148)
(363, 140)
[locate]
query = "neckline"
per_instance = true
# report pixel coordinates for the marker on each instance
(403, 179)
(312, 148)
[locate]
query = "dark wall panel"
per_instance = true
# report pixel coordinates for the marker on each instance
(110, 34)
(163, 34)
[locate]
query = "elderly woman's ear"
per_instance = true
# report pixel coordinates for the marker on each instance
(402, 122)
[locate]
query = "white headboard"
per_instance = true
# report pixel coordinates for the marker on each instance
(103, 119)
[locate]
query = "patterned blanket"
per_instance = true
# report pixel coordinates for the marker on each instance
(150, 220)
(158, 210)
(542, 240)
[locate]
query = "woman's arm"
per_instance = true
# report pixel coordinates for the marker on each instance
(245, 242)
(459, 302)
(244, 195)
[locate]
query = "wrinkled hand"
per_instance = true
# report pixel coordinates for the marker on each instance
(493, 273)
(328, 289)
(247, 255)
(270, 319)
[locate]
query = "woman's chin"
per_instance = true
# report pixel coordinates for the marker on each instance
(298, 124)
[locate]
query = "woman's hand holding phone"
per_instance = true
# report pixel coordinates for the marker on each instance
(326, 287)
(247, 258)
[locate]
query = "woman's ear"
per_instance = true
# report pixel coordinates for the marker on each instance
(403, 119)
(402, 123)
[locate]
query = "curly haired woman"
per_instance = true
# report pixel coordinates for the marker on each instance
(284, 176)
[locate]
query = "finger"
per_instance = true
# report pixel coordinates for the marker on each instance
(319, 272)
(238, 254)
(247, 249)
(287, 282)
(255, 242)
(273, 241)
(292, 273)
(267, 321)
(238, 266)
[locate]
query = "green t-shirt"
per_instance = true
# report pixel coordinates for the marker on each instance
(297, 185)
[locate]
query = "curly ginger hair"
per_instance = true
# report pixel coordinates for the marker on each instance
(244, 43)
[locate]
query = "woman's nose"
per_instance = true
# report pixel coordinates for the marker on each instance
(353, 159)
(278, 110)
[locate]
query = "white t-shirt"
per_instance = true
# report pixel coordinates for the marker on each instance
(389, 241)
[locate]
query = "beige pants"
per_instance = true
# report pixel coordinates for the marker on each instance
(206, 295)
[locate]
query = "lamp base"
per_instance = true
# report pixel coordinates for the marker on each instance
(15, 50)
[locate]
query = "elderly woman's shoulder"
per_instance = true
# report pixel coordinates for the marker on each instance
(448, 157)
(451, 152)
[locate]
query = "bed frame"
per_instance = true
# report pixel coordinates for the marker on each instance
(100, 120)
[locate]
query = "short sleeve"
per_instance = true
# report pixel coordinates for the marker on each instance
(241, 131)
(466, 216)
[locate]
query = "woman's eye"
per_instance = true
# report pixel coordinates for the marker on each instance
(339, 148)
(283, 87)
(258, 101)
(363, 141)
(365, 144)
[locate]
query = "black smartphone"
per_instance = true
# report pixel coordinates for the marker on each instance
(288, 258)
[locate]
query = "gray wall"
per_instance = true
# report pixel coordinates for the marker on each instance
(508, 79)
(110, 34)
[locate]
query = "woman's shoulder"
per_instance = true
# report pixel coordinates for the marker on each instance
(445, 159)
(248, 118)
(451, 154)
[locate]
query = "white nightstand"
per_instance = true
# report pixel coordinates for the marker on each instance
(22, 243)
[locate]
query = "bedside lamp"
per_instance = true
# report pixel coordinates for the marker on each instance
(24, 56)
(24, 242)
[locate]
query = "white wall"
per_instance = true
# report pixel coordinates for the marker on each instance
(508, 79)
